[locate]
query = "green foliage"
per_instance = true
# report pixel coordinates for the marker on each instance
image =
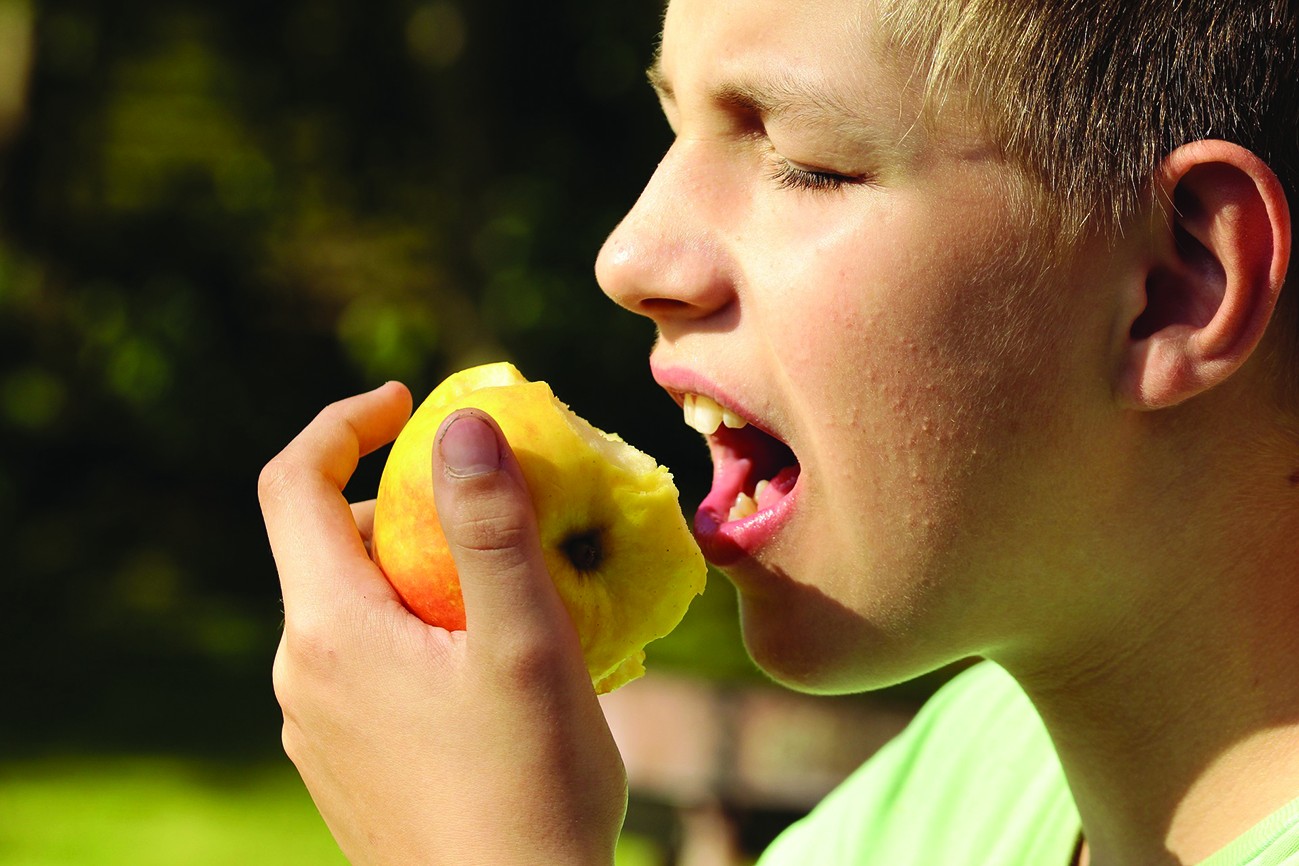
(217, 217)
(707, 643)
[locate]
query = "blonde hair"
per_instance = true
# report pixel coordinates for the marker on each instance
(1089, 96)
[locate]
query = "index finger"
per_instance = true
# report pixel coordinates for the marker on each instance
(313, 533)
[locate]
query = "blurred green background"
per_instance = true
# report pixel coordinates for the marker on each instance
(216, 218)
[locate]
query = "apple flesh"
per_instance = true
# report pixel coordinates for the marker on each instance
(615, 542)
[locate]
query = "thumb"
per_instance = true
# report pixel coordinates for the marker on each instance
(487, 517)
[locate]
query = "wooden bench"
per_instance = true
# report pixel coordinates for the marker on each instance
(714, 755)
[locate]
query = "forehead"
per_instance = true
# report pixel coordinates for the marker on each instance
(830, 55)
(715, 43)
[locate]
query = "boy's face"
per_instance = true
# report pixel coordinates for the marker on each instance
(850, 281)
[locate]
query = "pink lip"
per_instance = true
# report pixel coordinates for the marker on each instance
(726, 542)
(680, 380)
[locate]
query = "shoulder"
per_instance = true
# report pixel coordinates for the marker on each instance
(974, 773)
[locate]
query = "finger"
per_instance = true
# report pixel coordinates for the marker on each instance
(311, 528)
(363, 517)
(487, 517)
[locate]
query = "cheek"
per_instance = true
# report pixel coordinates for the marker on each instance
(925, 370)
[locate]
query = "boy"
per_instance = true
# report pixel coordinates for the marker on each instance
(1000, 283)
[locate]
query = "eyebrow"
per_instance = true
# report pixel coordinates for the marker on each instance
(784, 97)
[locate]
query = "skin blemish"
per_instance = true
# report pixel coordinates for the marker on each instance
(1294, 478)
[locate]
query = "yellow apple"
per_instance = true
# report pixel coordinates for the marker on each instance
(615, 542)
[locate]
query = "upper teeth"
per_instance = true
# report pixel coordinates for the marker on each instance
(705, 415)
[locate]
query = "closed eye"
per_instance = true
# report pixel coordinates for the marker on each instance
(788, 175)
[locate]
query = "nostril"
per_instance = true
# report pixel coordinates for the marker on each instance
(662, 307)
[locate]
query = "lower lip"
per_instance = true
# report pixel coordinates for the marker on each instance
(726, 542)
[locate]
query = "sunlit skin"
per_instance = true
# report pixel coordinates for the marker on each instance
(873, 325)
(992, 462)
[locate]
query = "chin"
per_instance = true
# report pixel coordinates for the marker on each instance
(816, 645)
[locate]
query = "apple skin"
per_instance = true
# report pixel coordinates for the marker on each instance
(615, 542)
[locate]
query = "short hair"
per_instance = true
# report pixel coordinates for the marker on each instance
(1088, 97)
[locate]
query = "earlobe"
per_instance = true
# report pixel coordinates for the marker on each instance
(1218, 267)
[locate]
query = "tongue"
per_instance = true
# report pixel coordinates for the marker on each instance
(781, 484)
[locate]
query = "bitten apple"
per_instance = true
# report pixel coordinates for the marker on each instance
(615, 541)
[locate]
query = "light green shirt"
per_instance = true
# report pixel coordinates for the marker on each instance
(974, 781)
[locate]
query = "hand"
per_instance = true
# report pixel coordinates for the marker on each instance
(417, 744)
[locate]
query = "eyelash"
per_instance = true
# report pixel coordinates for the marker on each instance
(787, 176)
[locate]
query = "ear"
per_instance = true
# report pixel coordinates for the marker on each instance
(1218, 264)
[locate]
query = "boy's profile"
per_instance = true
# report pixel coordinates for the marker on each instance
(1000, 285)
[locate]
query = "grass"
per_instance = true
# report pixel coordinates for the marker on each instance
(155, 811)
(159, 811)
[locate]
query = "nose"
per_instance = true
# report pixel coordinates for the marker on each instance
(666, 259)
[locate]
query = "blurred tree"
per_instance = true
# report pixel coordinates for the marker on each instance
(217, 217)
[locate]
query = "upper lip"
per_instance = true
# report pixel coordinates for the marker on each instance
(742, 459)
(680, 381)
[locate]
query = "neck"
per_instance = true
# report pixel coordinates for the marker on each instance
(1179, 729)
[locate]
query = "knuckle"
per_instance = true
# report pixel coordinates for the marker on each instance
(307, 669)
(528, 659)
(291, 741)
(530, 655)
(282, 680)
(279, 673)
(275, 479)
(337, 423)
(491, 533)
(492, 530)
(331, 436)
(329, 415)
(309, 648)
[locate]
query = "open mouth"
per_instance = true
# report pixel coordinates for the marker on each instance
(754, 475)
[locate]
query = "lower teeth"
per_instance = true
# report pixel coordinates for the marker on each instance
(744, 506)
